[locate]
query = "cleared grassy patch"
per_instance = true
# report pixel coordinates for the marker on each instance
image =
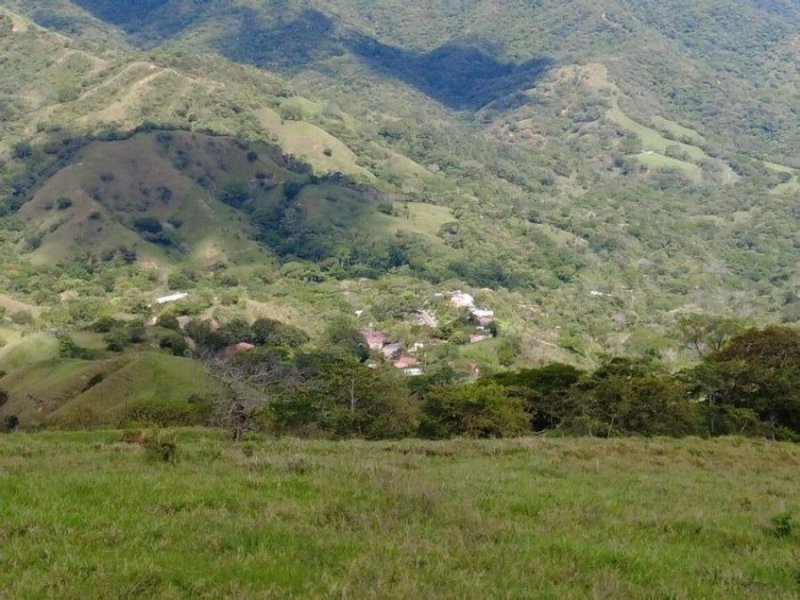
(86, 516)
(658, 161)
(28, 350)
(652, 139)
(323, 151)
(677, 130)
(420, 218)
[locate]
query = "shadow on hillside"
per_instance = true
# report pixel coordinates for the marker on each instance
(287, 47)
(461, 75)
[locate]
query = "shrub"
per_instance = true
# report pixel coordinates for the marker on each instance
(3, 397)
(169, 321)
(782, 525)
(175, 343)
(148, 225)
(11, 423)
(386, 208)
(21, 317)
(477, 411)
(104, 325)
(63, 203)
(94, 380)
(32, 242)
(160, 446)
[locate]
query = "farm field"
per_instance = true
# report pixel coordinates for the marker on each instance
(84, 515)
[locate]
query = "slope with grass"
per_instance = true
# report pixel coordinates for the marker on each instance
(85, 515)
(135, 387)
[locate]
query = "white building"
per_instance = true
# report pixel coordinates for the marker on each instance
(172, 298)
(460, 299)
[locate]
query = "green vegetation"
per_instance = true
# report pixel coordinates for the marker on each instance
(86, 515)
(347, 220)
(541, 163)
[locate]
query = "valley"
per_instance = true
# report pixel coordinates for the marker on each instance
(582, 189)
(390, 299)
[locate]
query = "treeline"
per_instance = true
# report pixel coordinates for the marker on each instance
(749, 385)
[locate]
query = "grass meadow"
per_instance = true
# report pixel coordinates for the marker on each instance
(83, 515)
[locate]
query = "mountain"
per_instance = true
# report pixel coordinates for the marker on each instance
(590, 171)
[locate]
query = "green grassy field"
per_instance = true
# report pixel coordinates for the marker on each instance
(83, 515)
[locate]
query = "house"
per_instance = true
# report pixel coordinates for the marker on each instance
(483, 315)
(460, 299)
(172, 298)
(405, 361)
(391, 351)
(376, 340)
(478, 337)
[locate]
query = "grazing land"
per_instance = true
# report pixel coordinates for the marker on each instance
(85, 515)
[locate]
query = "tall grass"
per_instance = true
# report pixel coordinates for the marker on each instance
(83, 515)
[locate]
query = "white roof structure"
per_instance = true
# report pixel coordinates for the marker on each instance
(462, 300)
(172, 298)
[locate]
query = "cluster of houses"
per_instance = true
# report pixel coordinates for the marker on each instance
(483, 316)
(379, 341)
(407, 360)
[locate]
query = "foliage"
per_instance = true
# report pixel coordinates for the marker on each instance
(160, 446)
(476, 411)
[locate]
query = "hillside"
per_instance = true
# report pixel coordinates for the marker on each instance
(86, 515)
(591, 172)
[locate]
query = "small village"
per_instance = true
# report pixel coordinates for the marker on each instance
(407, 359)
(477, 324)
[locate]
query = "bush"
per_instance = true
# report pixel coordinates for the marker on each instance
(3, 397)
(63, 203)
(484, 411)
(782, 525)
(94, 380)
(21, 317)
(169, 321)
(161, 446)
(104, 325)
(33, 242)
(175, 343)
(11, 423)
(148, 225)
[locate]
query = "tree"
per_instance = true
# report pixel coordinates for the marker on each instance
(473, 410)
(706, 333)
(270, 332)
(339, 396)
(756, 371)
(249, 382)
(175, 343)
(545, 391)
(631, 397)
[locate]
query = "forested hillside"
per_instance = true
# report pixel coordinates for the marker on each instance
(593, 174)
